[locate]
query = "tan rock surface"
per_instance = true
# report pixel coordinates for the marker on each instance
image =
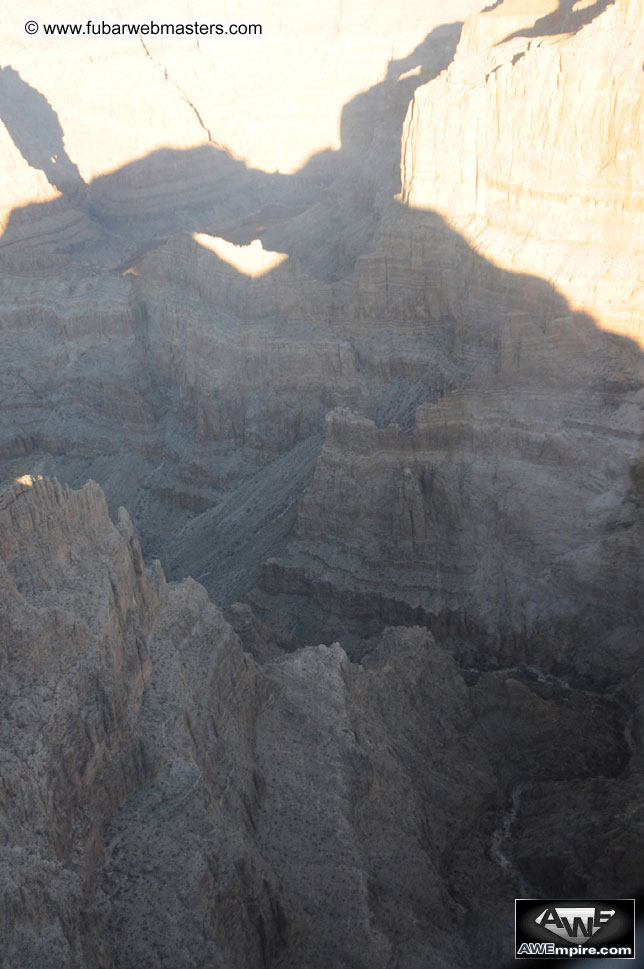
(530, 146)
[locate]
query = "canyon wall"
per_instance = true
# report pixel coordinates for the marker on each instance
(161, 805)
(139, 352)
(357, 341)
(505, 505)
(540, 167)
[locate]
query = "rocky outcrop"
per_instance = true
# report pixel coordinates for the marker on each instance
(167, 799)
(478, 523)
(77, 611)
(119, 741)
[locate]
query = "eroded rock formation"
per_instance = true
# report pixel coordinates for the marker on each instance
(170, 799)
(407, 424)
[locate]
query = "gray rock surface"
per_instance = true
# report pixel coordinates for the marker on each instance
(167, 799)
(378, 386)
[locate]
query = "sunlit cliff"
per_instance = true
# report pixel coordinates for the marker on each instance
(530, 145)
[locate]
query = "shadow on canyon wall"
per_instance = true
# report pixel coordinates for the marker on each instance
(564, 20)
(332, 204)
(37, 133)
(394, 284)
(446, 317)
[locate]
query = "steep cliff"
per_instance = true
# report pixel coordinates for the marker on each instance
(540, 167)
(504, 504)
(383, 382)
(167, 799)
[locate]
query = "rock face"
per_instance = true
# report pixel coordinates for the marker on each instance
(197, 395)
(540, 169)
(504, 505)
(168, 799)
(77, 612)
(378, 385)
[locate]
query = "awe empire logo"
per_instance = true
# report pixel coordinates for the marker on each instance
(572, 923)
(554, 928)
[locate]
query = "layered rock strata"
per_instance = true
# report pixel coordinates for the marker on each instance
(540, 167)
(198, 395)
(428, 415)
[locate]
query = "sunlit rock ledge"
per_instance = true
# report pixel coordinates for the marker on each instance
(530, 145)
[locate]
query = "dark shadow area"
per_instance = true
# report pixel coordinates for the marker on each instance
(339, 227)
(564, 20)
(335, 209)
(37, 134)
(371, 123)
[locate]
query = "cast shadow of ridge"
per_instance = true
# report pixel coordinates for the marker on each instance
(37, 133)
(325, 217)
(564, 20)
(326, 214)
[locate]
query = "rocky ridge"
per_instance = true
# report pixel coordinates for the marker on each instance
(161, 804)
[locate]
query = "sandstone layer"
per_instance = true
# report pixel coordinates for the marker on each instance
(540, 169)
